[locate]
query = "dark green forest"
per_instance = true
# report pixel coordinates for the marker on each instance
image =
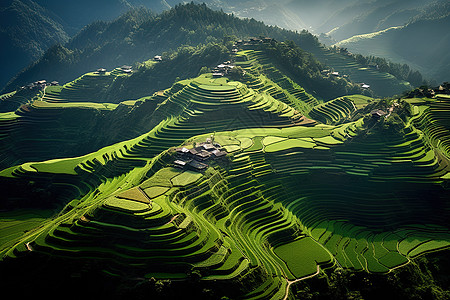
(139, 34)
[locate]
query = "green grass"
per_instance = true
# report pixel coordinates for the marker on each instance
(428, 247)
(126, 205)
(186, 178)
(393, 259)
(100, 106)
(302, 256)
(155, 191)
(289, 144)
(14, 224)
(289, 196)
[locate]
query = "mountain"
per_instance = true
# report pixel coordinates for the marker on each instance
(366, 17)
(139, 35)
(339, 18)
(404, 43)
(29, 27)
(232, 186)
(77, 14)
(301, 73)
(25, 21)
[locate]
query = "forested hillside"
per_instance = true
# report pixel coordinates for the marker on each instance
(423, 43)
(26, 31)
(139, 35)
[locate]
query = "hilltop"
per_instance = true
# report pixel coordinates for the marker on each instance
(264, 65)
(143, 35)
(235, 182)
(138, 35)
(331, 20)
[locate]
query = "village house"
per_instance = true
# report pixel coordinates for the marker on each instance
(180, 163)
(377, 113)
(197, 157)
(196, 165)
(126, 69)
(222, 69)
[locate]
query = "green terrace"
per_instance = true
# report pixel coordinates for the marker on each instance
(217, 104)
(263, 76)
(278, 205)
(90, 87)
(382, 83)
(292, 196)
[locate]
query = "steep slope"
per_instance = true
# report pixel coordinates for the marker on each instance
(383, 83)
(281, 70)
(27, 30)
(139, 35)
(223, 187)
(400, 44)
(372, 16)
(236, 220)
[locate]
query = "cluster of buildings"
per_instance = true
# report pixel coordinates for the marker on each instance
(252, 41)
(39, 85)
(377, 113)
(197, 158)
(430, 92)
(128, 69)
(222, 69)
(332, 73)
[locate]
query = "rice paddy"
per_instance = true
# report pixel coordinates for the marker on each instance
(289, 196)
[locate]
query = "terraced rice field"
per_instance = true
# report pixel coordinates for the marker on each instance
(262, 76)
(90, 87)
(382, 83)
(290, 196)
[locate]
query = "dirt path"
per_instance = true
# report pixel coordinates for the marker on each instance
(173, 219)
(297, 280)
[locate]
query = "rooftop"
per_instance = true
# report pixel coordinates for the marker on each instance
(208, 146)
(218, 153)
(198, 165)
(182, 150)
(377, 113)
(203, 154)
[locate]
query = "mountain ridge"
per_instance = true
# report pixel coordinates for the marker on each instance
(400, 44)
